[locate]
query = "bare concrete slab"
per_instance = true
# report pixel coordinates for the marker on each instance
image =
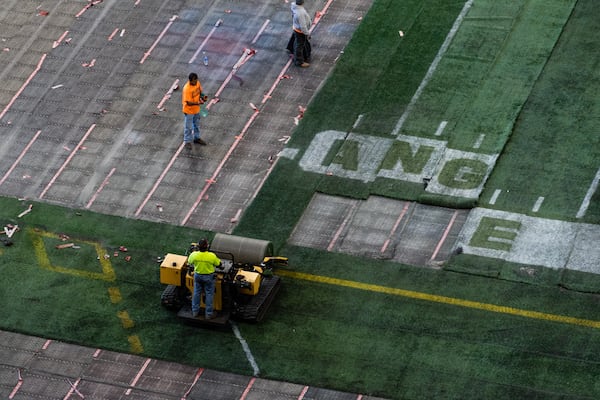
(48, 369)
(378, 227)
(95, 83)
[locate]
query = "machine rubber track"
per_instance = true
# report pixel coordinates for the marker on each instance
(171, 297)
(256, 309)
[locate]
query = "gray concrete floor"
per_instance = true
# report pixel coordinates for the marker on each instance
(36, 368)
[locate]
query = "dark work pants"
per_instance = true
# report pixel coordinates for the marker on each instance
(300, 47)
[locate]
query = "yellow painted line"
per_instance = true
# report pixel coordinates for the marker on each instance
(135, 344)
(115, 295)
(442, 299)
(37, 237)
(126, 321)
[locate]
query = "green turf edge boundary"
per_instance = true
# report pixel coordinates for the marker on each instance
(578, 281)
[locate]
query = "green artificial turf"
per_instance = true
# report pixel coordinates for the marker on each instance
(553, 151)
(323, 333)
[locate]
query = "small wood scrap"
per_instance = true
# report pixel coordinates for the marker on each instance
(26, 211)
(9, 230)
(64, 246)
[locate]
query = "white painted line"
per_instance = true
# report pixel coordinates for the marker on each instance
(588, 196)
(433, 67)
(479, 141)
(441, 128)
(495, 196)
(358, 120)
(538, 204)
(246, 348)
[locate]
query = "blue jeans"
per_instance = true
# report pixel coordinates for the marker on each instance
(191, 129)
(206, 283)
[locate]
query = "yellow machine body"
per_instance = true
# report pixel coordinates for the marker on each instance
(251, 282)
(172, 269)
(245, 284)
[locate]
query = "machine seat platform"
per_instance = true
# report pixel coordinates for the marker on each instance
(186, 314)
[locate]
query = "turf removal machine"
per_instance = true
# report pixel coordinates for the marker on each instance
(245, 286)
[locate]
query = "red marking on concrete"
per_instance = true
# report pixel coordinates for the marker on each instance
(35, 71)
(202, 195)
(112, 35)
(393, 231)
(243, 59)
(74, 389)
(84, 9)
(246, 55)
(15, 390)
(10, 170)
(319, 15)
(281, 76)
(186, 394)
(147, 53)
(339, 231)
(18, 385)
(303, 392)
(248, 388)
(104, 183)
(46, 344)
(444, 236)
(158, 182)
(138, 376)
(60, 170)
(60, 39)
(167, 96)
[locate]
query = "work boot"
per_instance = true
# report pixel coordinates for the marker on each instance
(212, 316)
(200, 142)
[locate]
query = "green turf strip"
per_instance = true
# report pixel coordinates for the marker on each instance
(553, 151)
